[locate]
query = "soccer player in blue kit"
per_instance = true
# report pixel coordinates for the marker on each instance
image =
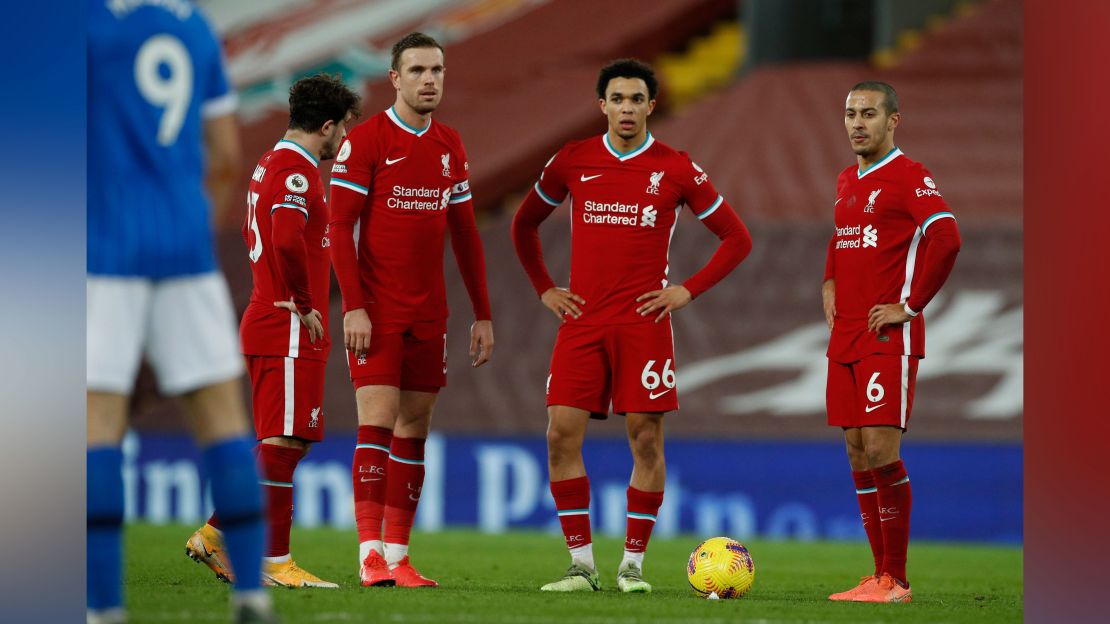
(159, 110)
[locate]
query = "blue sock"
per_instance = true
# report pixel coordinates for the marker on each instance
(237, 497)
(104, 528)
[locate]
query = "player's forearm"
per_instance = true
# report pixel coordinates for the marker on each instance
(736, 244)
(223, 155)
(526, 241)
(291, 255)
(346, 206)
(467, 245)
(830, 260)
(940, 257)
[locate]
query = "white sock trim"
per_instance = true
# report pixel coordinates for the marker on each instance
(364, 549)
(394, 553)
(633, 557)
(281, 559)
(583, 555)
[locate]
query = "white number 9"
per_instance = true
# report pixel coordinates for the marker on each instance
(172, 92)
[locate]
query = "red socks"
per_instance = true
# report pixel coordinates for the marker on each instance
(402, 492)
(572, 500)
(895, 501)
(368, 470)
(642, 509)
(868, 497)
(275, 467)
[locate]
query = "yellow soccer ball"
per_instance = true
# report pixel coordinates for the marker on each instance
(721, 566)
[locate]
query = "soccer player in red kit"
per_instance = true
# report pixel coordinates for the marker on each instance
(284, 329)
(615, 347)
(895, 244)
(404, 179)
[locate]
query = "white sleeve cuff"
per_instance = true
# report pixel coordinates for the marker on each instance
(908, 310)
(219, 106)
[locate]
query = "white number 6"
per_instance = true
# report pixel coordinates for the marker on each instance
(651, 379)
(875, 391)
(171, 92)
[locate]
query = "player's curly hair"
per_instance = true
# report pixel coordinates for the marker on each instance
(315, 100)
(890, 96)
(627, 68)
(412, 40)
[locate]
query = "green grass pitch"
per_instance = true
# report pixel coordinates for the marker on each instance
(494, 579)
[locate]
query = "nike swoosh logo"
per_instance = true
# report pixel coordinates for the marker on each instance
(654, 396)
(871, 408)
(586, 178)
(364, 479)
(885, 519)
(394, 160)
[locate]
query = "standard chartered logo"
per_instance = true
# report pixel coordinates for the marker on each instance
(421, 198)
(870, 236)
(617, 213)
(854, 237)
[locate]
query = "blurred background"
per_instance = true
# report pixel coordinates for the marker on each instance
(753, 90)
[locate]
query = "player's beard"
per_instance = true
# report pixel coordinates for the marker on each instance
(330, 149)
(421, 107)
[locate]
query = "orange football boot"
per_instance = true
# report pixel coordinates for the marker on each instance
(375, 572)
(407, 576)
(865, 585)
(886, 590)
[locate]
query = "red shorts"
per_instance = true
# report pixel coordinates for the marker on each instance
(877, 390)
(409, 356)
(287, 396)
(631, 364)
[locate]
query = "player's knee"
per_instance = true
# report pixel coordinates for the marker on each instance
(561, 443)
(646, 443)
(880, 455)
(647, 451)
(413, 424)
(857, 456)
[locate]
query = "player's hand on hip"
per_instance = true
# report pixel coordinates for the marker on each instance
(828, 301)
(356, 331)
(562, 302)
(481, 342)
(665, 301)
(886, 314)
(312, 321)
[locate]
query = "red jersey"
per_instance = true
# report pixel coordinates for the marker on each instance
(883, 215)
(286, 231)
(405, 186)
(624, 209)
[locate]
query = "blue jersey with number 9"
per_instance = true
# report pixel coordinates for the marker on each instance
(155, 73)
